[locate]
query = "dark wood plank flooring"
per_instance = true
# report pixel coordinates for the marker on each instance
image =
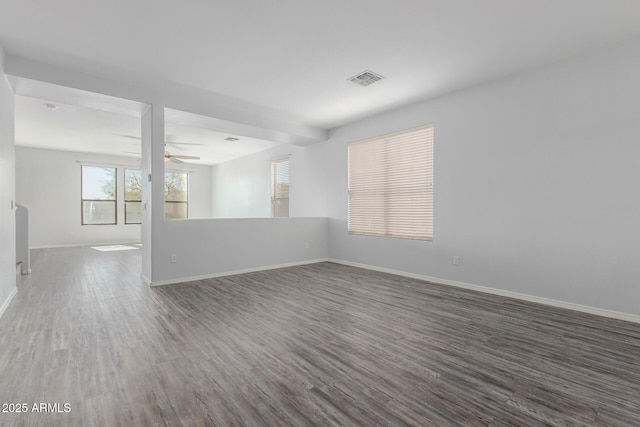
(323, 344)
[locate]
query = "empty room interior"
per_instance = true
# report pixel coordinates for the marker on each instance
(320, 213)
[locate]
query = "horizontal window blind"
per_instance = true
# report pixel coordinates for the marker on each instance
(280, 177)
(280, 187)
(391, 185)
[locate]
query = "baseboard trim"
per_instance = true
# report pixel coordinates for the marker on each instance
(231, 273)
(6, 303)
(510, 294)
(145, 279)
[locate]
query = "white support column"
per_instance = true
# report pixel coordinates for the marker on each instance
(152, 170)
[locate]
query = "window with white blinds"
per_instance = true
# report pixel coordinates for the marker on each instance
(280, 187)
(391, 185)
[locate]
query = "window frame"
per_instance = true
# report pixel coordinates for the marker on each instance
(274, 174)
(176, 201)
(83, 200)
(385, 166)
(124, 198)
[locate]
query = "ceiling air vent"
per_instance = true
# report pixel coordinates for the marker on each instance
(365, 78)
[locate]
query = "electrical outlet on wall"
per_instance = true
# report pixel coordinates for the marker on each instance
(306, 245)
(456, 260)
(174, 258)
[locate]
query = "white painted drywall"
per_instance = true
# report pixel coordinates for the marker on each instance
(7, 191)
(537, 184)
(48, 183)
(207, 247)
(242, 187)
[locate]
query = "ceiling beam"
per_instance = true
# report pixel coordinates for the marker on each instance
(227, 114)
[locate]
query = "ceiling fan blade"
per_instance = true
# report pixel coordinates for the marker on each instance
(173, 156)
(174, 160)
(132, 152)
(130, 136)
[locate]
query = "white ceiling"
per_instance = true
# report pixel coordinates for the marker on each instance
(199, 139)
(295, 58)
(87, 122)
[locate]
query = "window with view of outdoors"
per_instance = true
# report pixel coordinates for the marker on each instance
(98, 195)
(132, 196)
(280, 188)
(176, 195)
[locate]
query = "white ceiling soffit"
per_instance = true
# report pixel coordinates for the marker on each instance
(267, 133)
(211, 146)
(72, 120)
(74, 128)
(207, 137)
(296, 56)
(75, 97)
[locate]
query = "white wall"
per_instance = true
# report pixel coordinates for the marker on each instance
(210, 247)
(537, 184)
(48, 183)
(7, 192)
(242, 187)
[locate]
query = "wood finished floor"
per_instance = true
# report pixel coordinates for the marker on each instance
(323, 344)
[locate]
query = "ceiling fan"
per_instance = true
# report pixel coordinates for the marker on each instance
(168, 157)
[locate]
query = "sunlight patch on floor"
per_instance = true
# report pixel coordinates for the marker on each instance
(111, 248)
